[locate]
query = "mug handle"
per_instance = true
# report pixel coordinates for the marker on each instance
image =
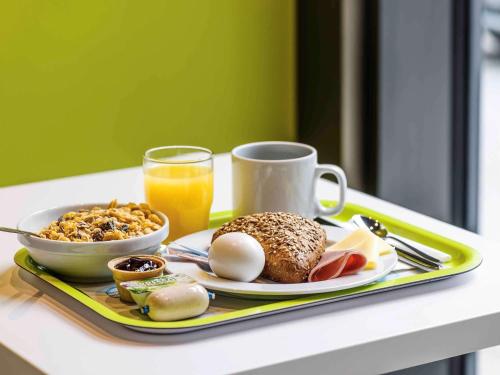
(339, 174)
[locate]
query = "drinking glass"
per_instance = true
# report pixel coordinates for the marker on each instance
(178, 181)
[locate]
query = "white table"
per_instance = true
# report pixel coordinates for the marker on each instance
(368, 335)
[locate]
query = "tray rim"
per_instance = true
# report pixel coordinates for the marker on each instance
(472, 259)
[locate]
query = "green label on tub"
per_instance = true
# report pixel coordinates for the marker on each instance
(140, 289)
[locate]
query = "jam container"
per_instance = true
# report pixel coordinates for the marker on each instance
(135, 267)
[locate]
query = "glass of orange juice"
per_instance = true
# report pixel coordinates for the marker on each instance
(178, 181)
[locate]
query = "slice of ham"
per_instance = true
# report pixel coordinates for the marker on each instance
(337, 263)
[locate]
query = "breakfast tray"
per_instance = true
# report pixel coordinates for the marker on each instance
(224, 309)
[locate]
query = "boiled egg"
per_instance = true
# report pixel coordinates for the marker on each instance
(236, 256)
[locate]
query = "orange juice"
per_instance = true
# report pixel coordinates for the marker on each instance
(182, 192)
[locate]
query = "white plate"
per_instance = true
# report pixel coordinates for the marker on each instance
(201, 240)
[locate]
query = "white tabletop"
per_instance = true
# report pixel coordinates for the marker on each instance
(368, 335)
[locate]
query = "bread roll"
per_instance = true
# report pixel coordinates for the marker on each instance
(292, 244)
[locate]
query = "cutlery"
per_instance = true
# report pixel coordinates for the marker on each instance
(18, 231)
(403, 255)
(377, 228)
(415, 262)
(188, 249)
(332, 222)
(182, 257)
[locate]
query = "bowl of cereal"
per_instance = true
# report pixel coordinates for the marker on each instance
(77, 241)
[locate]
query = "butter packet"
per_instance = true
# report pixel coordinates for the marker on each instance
(140, 289)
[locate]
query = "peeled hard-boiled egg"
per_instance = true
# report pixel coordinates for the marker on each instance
(236, 256)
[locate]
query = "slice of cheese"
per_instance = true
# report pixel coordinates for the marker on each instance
(383, 247)
(365, 242)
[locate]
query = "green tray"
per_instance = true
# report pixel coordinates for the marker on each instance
(230, 309)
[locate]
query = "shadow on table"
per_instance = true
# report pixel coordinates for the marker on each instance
(13, 289)
(79, 311)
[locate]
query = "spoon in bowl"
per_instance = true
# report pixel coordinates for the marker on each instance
(18, 231)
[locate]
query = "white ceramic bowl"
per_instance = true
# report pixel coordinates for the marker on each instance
(83, 261)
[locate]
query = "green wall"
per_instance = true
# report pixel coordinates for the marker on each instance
(89, 85)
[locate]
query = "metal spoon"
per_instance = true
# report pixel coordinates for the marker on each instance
(403, 255)
(377, 228)
(18, 231)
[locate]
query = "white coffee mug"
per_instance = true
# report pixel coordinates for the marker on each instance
(281, 176)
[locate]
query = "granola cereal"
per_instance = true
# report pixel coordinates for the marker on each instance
(116, 222)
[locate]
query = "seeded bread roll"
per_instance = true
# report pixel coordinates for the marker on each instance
(292, 244)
